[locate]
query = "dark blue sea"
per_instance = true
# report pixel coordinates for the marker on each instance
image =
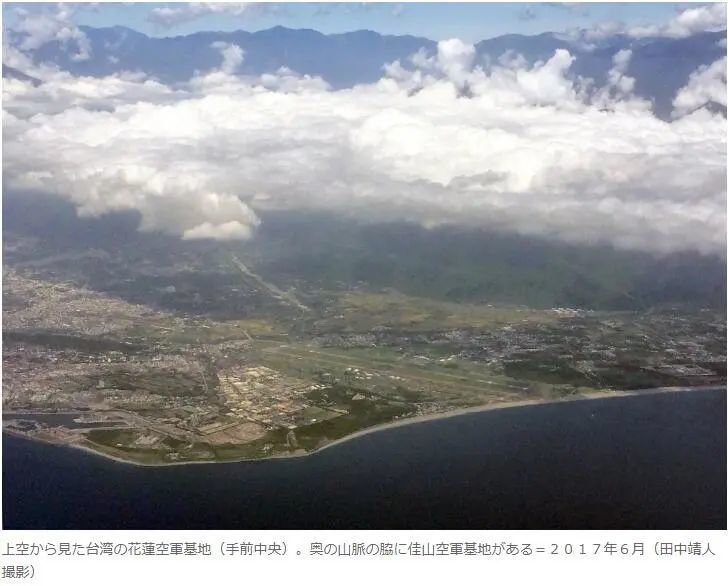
(643, 462)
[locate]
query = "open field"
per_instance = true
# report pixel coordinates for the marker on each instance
(361, 311)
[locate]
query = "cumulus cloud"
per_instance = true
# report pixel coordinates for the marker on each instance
(173, 15)
(706, 85)
(232, 56)
(617, 77)
(38, 27)
(687, 22)
(588, 38)
(60, 91)
(233, 230)
(709, 17)
(439, 139)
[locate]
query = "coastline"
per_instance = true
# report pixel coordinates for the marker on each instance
(384, 426)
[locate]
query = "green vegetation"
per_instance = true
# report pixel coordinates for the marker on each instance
(161, 382)
(459, 265)
(62, 341)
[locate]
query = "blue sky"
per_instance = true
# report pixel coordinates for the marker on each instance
(467, 21)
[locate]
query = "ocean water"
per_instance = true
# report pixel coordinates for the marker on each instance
(649, 461)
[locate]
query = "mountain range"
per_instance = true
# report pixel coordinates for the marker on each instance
(659, 65)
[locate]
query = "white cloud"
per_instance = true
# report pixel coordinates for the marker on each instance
(232, 56)
(587, 39)
(524, 149)
(689, 21)
(709, 17)
(175, 14)
(455, 59)
(37, 27)
(707, 84)
(617, 76)
(233, 230)
(61, 91)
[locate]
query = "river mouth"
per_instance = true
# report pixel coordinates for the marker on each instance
(654, 461)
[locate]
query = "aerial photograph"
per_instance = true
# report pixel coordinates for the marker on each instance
(364, 266)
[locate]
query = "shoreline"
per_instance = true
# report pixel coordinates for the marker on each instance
(383, 426)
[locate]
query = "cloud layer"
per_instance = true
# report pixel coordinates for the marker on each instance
(171, 15)
(706, 85)
(708, 17)
(687, 22)
(518, 148)
(38, 27)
